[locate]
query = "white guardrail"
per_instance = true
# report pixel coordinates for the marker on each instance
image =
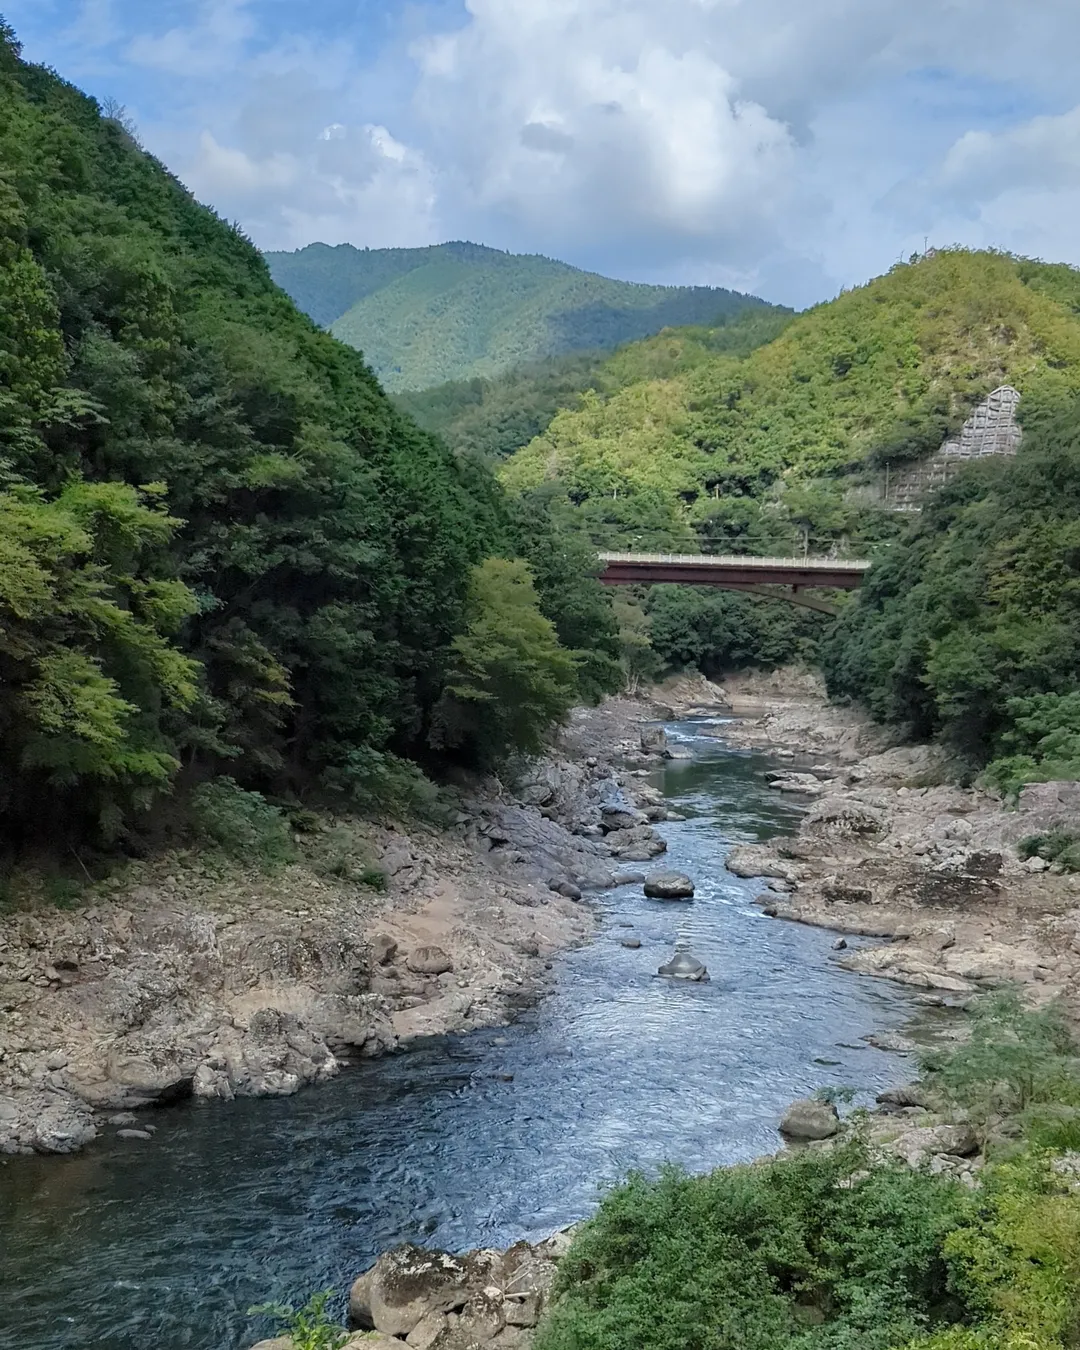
(741, 560)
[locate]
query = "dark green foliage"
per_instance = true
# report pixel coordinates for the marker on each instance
(453, 311)
(219, 542)
(969, 627)
(769, 1257)
(564, 568)
(511, 682)
(719, 631)
(244, 825)
(1056, 846)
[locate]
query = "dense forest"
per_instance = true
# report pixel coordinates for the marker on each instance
(968, 628)
(459, 311)
(221, 547)
(785, 447)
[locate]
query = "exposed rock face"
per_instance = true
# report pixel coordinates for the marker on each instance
(669, 886)
(431, 1300)
(810, 1119)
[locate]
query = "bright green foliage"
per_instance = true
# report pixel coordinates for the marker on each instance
(878, 375)
(969, 627)
(243, 824)
(511, 682)
(219, 542)
(1017, 1060)
(495, 416)
(453, 311)
(1017, 1265)
(767, 1257)
(309, 1327)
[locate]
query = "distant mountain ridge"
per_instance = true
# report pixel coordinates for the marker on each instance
(424, 316)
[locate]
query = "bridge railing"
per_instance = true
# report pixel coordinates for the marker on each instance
(740, 560)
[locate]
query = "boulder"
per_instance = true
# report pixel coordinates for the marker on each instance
(616, 816)
(383, 949)
(406, 1285)
(429, 961)
(669, 886)
(654, 741)
(927, 1141)
(810, 1118)
(684, 966)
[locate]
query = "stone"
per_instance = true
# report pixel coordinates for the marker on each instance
(654, 741)
(810, 1118)
(383, 949)
(915, 1146)
(684, 966)
(427, 1331)
(523, 1311)
(123, 1118)
(840, 944)
(631, 942)
(134, 1134)
(408, 1283)
(568, 889)
(617, 817)
(669, 886)
(429, 961)
(629, 878)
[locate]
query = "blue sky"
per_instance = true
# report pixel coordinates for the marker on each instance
(789, 147)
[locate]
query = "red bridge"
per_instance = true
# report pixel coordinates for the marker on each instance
(736, 572)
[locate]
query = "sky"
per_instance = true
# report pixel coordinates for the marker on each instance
(784, 147)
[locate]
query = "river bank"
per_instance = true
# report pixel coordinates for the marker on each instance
(185, 975)
(892, 847)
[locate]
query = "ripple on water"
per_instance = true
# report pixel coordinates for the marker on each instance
(168, 1243)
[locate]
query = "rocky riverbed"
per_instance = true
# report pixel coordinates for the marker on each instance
(891, 847)
(183, 976)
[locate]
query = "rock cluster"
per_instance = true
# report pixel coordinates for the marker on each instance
(431, 1300)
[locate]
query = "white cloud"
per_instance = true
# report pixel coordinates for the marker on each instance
(785, 146)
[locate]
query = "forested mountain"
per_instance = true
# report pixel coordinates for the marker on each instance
(776, 449)
(221, 547)
(456, 311)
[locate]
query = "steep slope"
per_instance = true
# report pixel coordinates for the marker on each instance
(220, 545)
(454, 311)
(498, 415)
(784, 448)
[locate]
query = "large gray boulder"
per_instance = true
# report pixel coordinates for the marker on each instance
(669, 886)
(405, 1285)
(915, 1146)
(654, 741)
(810, 1118)
(683, 966)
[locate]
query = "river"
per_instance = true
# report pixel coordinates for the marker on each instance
(465, 1141)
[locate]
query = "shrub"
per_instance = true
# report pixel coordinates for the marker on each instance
(762, 1258)
(309, 1327)
(1056, 846)
(242, 824)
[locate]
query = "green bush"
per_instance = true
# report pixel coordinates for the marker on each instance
(309, 1327)
(243, 824)
(1056, 846)
(807, 1252)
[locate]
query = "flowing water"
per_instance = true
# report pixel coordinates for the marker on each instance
(466, 1141)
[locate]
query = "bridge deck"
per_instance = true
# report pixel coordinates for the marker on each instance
(733, 570)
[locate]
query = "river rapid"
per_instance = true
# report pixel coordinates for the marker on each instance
(460, 1142)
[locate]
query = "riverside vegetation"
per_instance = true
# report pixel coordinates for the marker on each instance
(221, 548)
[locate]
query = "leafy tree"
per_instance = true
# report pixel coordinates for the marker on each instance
(968, 628)
(511, 682)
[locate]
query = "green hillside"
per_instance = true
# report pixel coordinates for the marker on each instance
(455, 311)
(774, 450)
(496, 416)
(222, 549)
